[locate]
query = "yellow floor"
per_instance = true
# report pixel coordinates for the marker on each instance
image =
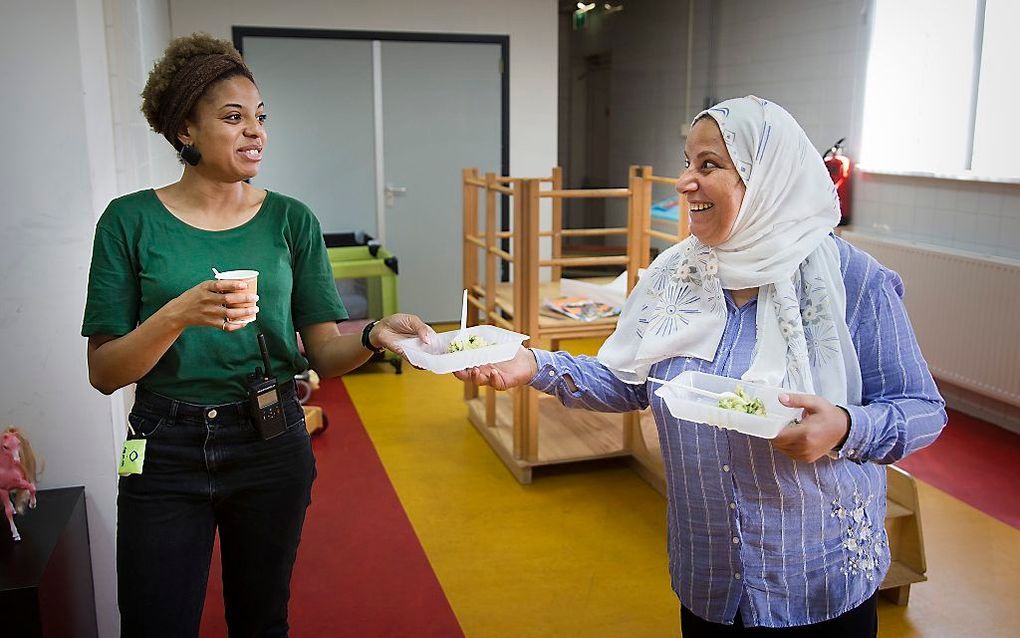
(581, 551)
(973, 562)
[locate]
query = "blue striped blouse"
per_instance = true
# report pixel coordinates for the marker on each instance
(750, 530)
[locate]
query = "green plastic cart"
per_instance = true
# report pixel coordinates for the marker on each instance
(358, 256)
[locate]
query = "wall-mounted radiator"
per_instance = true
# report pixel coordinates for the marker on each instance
(965, 309)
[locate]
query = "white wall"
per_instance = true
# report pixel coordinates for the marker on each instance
(137, 32)
(61, 61)
(531, 25)
(56, 172)
(976, 216)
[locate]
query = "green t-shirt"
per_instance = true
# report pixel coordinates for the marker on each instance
(143, 257)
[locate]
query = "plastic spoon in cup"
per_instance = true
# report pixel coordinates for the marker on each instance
(718, 396)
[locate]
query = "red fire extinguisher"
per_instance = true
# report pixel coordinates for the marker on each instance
(839, 169)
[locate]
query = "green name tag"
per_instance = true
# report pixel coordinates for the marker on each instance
(132, 457)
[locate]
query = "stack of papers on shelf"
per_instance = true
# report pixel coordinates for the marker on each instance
(611, 294)
(581, 308)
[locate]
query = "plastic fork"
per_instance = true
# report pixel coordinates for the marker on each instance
(463, 317)
(718, 396)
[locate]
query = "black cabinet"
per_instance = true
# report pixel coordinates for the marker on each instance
(46, 579)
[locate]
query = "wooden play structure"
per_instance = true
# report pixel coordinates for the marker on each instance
(524, 427)
(906, 543)
(528, 429)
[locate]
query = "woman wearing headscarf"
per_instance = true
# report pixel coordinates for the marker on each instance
(785, 533)
(209, 457)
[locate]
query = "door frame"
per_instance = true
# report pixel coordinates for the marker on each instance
(238, 33)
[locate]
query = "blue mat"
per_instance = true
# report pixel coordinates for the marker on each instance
(667, 209)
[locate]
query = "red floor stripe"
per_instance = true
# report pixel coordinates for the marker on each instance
(975, 461)
(361, 570)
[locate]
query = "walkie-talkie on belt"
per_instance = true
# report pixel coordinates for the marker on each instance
(264, 398)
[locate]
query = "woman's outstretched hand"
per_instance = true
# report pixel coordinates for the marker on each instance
(823, 428)
(503, 376)
(389, 331)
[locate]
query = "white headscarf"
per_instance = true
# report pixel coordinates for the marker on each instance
(779, 243)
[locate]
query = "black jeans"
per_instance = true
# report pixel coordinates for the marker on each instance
(859, 622)
(207, 469)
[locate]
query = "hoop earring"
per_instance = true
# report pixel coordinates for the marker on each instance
(190, 154)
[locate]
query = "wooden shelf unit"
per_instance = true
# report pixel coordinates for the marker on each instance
(565, 435)
(524, 430)
(906, 542)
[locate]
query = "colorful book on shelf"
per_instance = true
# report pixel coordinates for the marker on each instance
(581, 308)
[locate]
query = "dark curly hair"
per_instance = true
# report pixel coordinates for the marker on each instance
(189, 66)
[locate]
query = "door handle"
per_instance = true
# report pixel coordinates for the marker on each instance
(392, 191)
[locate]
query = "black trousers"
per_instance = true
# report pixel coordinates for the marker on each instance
(206, 469)
(859, 622)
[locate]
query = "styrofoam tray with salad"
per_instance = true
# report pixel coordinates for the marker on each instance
(749, 408)
(458, 350)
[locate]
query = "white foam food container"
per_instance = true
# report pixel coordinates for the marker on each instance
(435, 358)
(684, 404)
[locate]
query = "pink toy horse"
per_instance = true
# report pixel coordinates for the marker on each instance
(17, 475)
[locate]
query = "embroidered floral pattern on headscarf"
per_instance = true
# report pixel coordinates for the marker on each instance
(819, 330)
(662, 275)
(670, 310)
(786, 307)
(699, 266)
(862, 542)
(677, 287)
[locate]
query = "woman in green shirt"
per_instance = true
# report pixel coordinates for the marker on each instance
(156, 317)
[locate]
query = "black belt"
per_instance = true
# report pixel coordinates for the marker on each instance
(238, 412)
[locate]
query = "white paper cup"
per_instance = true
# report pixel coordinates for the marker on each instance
(250, 277)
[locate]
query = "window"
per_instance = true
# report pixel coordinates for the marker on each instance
(940, 90)
(997, 129)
